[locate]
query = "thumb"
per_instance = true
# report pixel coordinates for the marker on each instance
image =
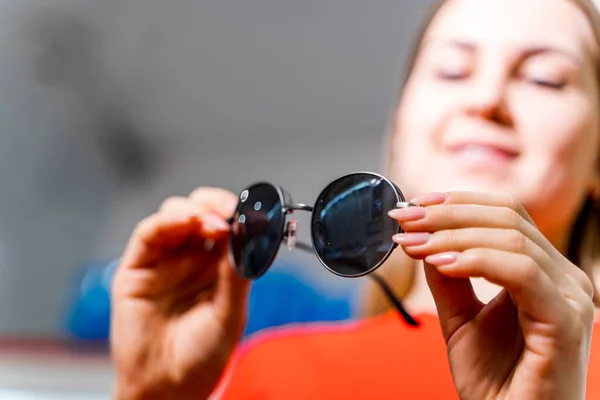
(232, 290)
(454, 298)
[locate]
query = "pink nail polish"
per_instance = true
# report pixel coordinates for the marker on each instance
(430, 199)
(411, 238)
(407, 214)
(442, 258)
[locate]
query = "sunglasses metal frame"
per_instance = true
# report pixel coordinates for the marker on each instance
(288, 206)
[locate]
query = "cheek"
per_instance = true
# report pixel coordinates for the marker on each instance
(414, 145)
(560, 135)
(560, 140)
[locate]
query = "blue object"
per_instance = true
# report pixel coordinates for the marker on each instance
(279, 297)
(89, 315)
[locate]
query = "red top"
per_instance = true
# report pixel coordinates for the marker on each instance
(376, 358)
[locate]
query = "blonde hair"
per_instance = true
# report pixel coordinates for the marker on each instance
(584, 244)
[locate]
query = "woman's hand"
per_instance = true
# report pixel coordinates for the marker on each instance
(179, 308)
(531, 341)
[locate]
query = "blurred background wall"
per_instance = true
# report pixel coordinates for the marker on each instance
(107, 107)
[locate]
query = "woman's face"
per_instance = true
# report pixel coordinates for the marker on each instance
(504, 98)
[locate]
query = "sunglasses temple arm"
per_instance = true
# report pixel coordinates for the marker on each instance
(382, 285)
(393, 299)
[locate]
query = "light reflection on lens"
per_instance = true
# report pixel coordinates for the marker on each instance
(351, 231)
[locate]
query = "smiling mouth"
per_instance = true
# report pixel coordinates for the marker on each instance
(483, 154)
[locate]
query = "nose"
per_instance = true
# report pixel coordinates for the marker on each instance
(487, 98)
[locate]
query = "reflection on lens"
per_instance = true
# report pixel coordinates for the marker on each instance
(256, 230)
(351, 231)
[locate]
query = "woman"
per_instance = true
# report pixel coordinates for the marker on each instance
(501, 103)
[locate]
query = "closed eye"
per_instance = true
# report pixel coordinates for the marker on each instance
(452, 75)
(556, 85)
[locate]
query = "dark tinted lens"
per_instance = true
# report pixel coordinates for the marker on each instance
(256, 230)
(351, 230)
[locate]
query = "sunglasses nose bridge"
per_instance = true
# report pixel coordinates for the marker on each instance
(298, 207)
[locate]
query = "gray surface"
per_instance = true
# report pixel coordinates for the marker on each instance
(50, 395)
(54, 377)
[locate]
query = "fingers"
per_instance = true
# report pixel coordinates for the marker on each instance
(455, 300)
(218, 200)
(531, 288)
(201, 217)
(420, 245)
(513, 212)
(457, 223)
(175, 204)
(178, 258)
(455, 216)
(235, 289)
(164, 232)
(508, 231)
(483, 199)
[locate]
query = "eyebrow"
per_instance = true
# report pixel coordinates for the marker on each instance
(527, 53)
(551, 50)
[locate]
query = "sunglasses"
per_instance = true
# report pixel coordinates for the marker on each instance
(350, 230)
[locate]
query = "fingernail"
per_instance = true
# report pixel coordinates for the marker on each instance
(411, 238)
(430, 199)
(442, 258)
(407, 214)
(212, 222)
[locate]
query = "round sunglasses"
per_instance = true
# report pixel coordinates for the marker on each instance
(351, 233)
